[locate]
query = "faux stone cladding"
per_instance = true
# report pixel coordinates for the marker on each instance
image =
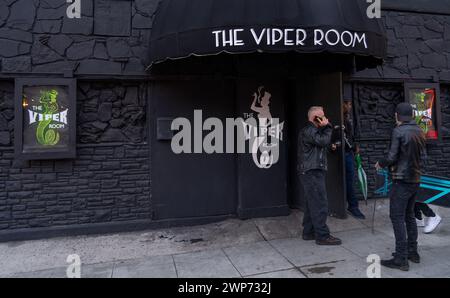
(109, 180)
(113, 36)
(375, 126)
(107, 113)
(103, 184)
(37, 36)
(418, 47)
(376, 109)
(6, 113)
(111, 112)
(445, 108)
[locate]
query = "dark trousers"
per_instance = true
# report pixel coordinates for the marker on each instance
(316, 209)
(403, 199)
(350, 180)
(422, 208)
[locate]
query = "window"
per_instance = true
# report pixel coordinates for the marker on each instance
(425, 100)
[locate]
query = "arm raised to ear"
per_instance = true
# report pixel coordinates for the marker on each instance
(319, 137)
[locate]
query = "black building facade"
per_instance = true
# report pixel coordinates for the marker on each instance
(124, 175)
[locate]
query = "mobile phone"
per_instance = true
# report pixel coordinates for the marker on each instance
(318, 119)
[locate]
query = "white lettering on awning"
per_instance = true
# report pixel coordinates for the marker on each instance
(289, 37)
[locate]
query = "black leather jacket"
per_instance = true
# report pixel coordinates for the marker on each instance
(349, 135)
(407, 153)
(315, 143)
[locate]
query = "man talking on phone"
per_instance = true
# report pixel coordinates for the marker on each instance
(315, 141)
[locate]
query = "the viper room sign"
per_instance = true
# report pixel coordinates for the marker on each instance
(289, 37)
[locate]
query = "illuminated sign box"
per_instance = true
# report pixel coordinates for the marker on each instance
(45, 119)
(425, 99)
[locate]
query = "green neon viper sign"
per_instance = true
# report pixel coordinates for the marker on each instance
(48, 118)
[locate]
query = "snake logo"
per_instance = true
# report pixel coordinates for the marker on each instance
(44, 134)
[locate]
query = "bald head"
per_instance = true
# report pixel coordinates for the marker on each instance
(315, 112)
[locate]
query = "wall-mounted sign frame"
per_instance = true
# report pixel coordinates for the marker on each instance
(45, 119)
(425, 99)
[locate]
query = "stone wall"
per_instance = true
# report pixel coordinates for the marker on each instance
(418, 47)
(103, 184)
(6, 113)
(418, 50)
(37, 36)
(375, 108)
(109, 181)
(112, 37)
(111, 112)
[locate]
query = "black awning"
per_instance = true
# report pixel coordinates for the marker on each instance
(184, 28)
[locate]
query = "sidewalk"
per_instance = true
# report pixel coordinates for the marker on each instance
(269, 247)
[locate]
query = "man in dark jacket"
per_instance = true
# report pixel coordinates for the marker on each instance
(404, 160)
(351, 148)
(315, 141)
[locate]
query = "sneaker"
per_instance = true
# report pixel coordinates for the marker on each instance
(420, 223)
(432, 224)
(309, 237)
(330, 241)
(396, 263)
(356, 213)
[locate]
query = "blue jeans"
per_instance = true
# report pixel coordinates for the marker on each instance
(350, 180)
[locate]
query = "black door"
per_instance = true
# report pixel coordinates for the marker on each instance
(325, 90)
(197, 184)
(262, 190)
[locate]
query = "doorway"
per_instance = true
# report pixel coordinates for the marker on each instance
(190, 185)
(209, 185)
(316, 89)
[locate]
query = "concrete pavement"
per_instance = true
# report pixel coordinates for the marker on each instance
(266, 248)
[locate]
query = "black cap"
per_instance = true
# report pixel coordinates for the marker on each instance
(404, 112)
